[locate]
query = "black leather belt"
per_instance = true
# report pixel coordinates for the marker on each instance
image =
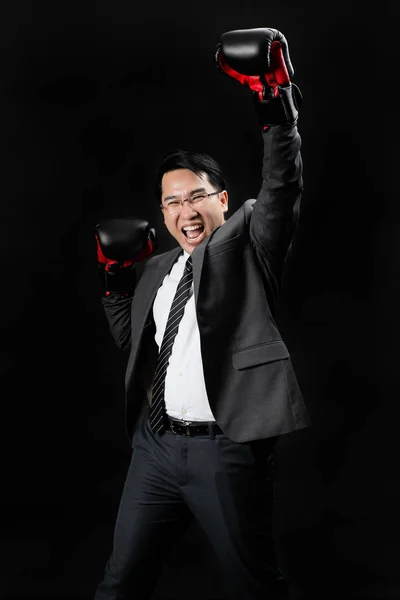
(189, 428)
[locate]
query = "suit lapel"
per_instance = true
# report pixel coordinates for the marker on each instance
(143, 299)
(154, 277)
(198, 259)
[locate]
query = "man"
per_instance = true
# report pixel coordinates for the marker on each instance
(209, 382)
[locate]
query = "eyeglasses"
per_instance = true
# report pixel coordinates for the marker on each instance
(172, 207)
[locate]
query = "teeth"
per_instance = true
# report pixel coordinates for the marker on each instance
(191, 227)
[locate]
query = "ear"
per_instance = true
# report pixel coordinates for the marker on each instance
(223, 198)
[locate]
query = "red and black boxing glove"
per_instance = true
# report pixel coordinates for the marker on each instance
(121, 243)
(259, 58)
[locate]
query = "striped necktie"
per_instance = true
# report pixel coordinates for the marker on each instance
(157, 409)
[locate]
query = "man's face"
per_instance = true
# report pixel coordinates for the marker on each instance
(207, 214)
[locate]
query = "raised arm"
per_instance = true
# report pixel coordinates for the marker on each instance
(259, 59)
(276, 212)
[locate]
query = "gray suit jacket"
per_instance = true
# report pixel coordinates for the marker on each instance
(251, 385)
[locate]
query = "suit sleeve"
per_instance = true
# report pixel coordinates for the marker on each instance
(117, 309)
(275, 213)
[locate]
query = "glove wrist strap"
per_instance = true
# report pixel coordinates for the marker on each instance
(121, 280)
(281, 109)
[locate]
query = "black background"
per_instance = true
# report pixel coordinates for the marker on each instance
(92, 95)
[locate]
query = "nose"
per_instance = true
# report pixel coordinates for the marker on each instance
(187, 208)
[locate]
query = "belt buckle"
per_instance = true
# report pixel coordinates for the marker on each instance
(186, 424)
(172, 427)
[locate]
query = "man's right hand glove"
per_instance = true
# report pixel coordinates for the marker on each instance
(121, 243)
(259, 58)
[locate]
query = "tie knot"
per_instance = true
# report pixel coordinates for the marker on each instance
(189, 264)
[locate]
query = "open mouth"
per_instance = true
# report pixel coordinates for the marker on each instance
(193, 233)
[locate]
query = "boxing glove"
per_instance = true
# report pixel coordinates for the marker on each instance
(121, 243)
(259, 58)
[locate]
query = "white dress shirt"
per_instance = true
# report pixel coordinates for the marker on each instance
(185, 391)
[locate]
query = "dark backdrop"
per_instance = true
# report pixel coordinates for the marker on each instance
(92, 95)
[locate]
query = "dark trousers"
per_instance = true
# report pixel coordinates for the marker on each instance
(172, 479)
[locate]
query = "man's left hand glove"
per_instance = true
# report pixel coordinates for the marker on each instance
(259, 58)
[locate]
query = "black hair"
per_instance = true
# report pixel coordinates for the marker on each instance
(196, 162)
